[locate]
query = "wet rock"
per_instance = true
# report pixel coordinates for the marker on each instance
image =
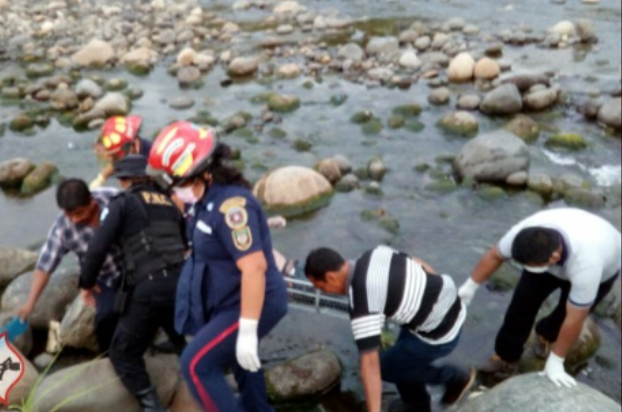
(348, 183)
(533, 393)
(382, 46)
(140, 61)
(309, 376)
(15, 262)
(409, 37)
(503, 100)
(166, 37)
(564, 28)
(381, 217)
(352, 52)
(525, 128)
(376, 170)
(408, 111)
(610, 113)
(36, 70)
(64, 98)
(181, 103)
(188, 76)
(21, 123)
(585, 198)
(440, 40)
(568, 141)
(494, 50)
(39, 179)
(289, 71)
(460, 124)
(493, 157)
(568, 183)
(518, 179)
(487, 69)
(586, 30)
(11, 93)
(291, 191)
(113, 104)
(541, 99)
(289, 8)
(14, 171)
(243, 66)
(437, 58)
(461, 68)
(410, 60)
(96, 53)
(88, 88)
(469, 102)
(60, 292)
(423, 43)
(329, 168)
(541, 183)
(283, 103)
(396, 122)
(440, 96)
(100, 381)
(456, 24)
(77, 329)
(526, 81)
(372, 127)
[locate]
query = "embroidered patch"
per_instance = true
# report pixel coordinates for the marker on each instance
(233, 202)
(236, 217)
(243, 239)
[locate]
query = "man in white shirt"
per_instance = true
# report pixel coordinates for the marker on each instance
(568, 249)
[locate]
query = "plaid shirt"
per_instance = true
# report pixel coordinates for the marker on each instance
(65, 237)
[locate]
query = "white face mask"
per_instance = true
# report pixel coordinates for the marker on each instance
(186, 194)
(538, 269)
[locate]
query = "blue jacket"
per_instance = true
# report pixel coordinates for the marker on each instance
(226, 225)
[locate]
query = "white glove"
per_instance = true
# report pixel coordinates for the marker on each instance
(468, 290)
(248, 344)
(556, 372)
(99, 181)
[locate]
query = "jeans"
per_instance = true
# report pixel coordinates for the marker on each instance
(409, 365)
(531, 293)
(106, 319)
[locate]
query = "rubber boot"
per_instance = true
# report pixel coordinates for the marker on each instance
(150, 401)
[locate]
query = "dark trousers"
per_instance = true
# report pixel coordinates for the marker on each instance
(531, 293)
(214, 348)
(150, 306)
(409, 365)
(106, 319)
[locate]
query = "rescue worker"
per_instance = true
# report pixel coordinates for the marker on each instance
(119, 138)
(151, 231)
(563, 249)
(231, 293)
(71, 233)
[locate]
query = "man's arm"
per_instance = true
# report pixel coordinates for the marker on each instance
(39, 282)
(372, 380)
(487, 266)
(571, 329)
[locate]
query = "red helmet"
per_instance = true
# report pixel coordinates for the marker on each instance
(117, 134)
(182, 150)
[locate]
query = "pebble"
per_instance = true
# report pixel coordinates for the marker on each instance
(181, 103)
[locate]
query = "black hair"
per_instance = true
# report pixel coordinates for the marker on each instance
(221, 169)
(321, 261)
(72, 194)
(535, 245)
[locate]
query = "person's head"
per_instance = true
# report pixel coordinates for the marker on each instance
(537, 249)
(327, 271)
(119, 138)
(74, 198)
(193, 159)
(131, 170)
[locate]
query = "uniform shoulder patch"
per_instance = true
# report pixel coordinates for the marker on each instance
(238, 201)
(243, 239)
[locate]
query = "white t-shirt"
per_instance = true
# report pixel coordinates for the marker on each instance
(594, 249)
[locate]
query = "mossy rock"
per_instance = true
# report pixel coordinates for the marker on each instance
(277, 133)
(408, 111)
(21, 123)
(442, 186)
(309, 85)
(491, 193)
(115, 85)
(140, 69)
(263, 98)
(283, 104)
(372, 127)
(568, 141)
(396, 122)
(37, 70)
(204, 117)
(414, 126)
(238, 121)
(422, 167)
(384, 219)
(134, 93)
(362, 117)
(244, 133)
(302, 145)
(374, 189)
(504, 280)
(459, 124)
(525, 128)
(339, 100)
(39, 179)
(11, 93)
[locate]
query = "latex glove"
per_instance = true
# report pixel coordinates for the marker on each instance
(248, 345)
(556, 372)
(468, 290)
(99, 181)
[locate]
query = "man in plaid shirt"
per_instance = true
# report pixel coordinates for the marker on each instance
(72, 231)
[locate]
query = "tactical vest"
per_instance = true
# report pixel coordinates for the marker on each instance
(160, 244)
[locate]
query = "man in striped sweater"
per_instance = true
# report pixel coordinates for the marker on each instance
(385, 284)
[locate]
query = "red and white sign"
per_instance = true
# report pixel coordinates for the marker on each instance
(12, 368)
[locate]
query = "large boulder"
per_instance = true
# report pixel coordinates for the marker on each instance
(39, 179)
(14, 262)
(291, 191)
(95, 386)
(60, 292)
(14, 171)
(504, 100)
(610, 113)
(309, 376)
(77, 330)
(534, 393)
(493, 157)
(96, 53)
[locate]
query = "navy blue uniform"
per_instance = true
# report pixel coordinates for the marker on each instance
(225, 226)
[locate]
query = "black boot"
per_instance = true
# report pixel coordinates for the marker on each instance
(150, 401)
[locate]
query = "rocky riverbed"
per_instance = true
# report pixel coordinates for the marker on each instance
(432, 126)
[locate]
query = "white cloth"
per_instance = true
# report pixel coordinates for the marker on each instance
(594, 248)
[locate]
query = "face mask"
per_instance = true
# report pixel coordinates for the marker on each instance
(537, 270)
(186, 195)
